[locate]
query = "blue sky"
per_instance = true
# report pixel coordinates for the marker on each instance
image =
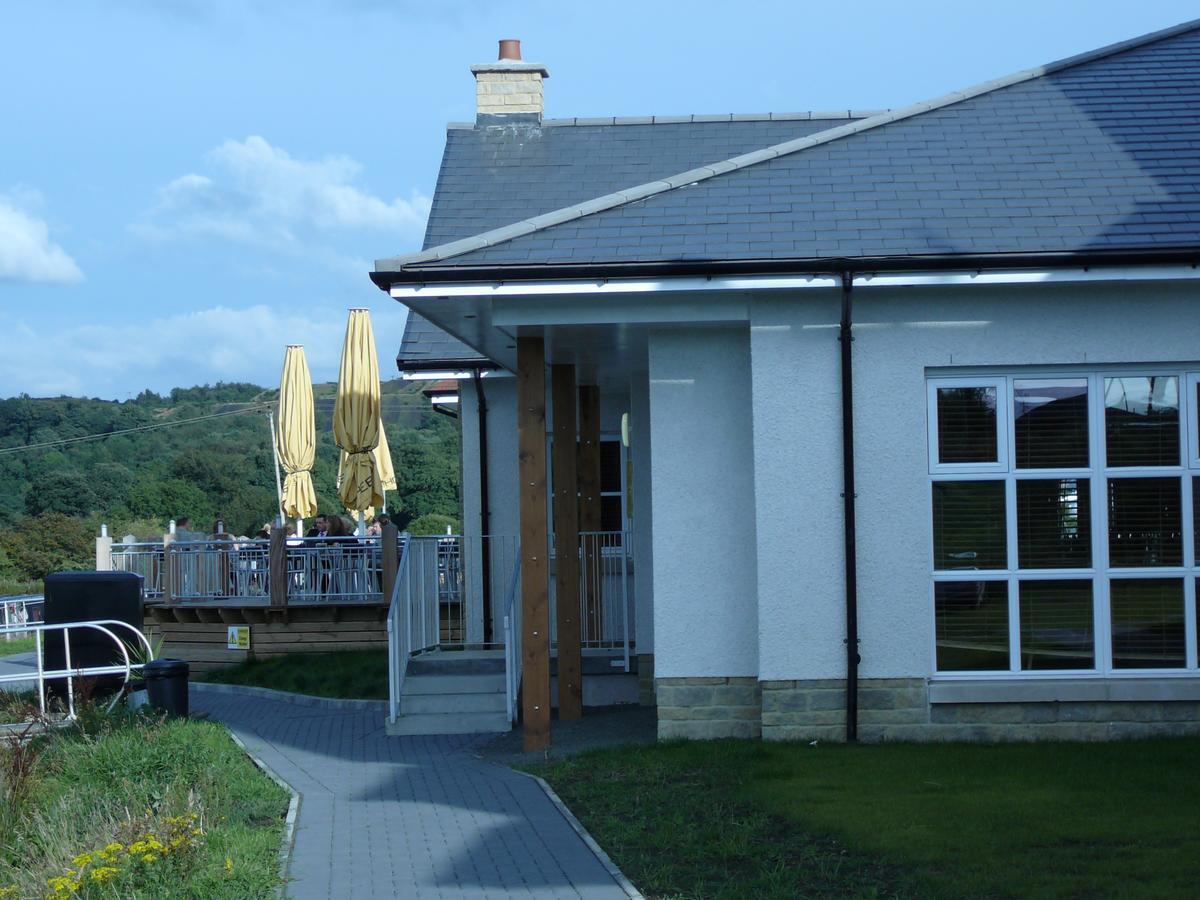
(188, 185)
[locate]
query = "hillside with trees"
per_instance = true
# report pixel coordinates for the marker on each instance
(54, 497)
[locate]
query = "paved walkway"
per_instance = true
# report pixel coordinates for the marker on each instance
(410, 817)
(19, 664)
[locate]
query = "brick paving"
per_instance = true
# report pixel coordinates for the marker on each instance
(407, 816)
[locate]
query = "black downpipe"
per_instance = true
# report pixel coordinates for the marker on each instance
(852, 658)
(485, 514)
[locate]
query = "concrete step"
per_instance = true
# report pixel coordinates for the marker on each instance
(453, 684)
(452, 703)
(453, 664)
(450, 723)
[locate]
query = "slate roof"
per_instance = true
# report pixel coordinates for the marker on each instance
(1099, 153)
(491, 176)
(426, 347)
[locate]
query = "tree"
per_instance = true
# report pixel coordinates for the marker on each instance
(67, 493)
(49, 542)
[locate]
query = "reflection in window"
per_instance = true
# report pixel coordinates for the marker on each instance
(966, 419)
(1051, 423)
(1056, 625)
(972, 625)
(1054, 523)
(1145, 526)
(1147, 623)
(1141, 420)
(969, 529)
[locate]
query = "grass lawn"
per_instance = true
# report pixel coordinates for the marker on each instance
(739, 818)
(135, 806)
(345, 674)
(18, 645)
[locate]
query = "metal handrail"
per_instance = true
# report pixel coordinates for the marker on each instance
(69, 673)
(399, 646)
(512, 641)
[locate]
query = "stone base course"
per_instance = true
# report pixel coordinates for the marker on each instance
(645, 670)
(898, 709)
(708, 708)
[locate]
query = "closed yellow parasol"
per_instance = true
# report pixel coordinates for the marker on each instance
(356, 415)
(297, 435)
(383, 465)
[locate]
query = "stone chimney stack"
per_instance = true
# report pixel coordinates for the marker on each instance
(509, 90)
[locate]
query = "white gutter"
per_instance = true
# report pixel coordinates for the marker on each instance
(693, 284)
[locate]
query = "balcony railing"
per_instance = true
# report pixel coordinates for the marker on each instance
(315, 570)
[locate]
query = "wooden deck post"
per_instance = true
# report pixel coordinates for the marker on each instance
(589, 502)
(535, 570)
(277, 567)
(389, 560)
(168, 570)
(566, 542)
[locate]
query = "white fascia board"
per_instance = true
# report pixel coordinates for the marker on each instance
(1052, 276)
(610, 286)
(789, 282)
(440, 376)
(444, 399)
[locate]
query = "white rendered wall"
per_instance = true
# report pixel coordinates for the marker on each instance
(500, 396)
(643, 517)
(798, 472)
(702, 482)
(899, 334)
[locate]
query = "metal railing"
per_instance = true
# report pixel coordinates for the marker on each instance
(318, 570)
(512, 643)
(16, 612)
(448, 587)
(69, 673)
(399, 648)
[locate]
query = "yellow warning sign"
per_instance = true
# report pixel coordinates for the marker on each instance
(239, 637)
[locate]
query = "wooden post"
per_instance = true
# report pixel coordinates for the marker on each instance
(277, 567)
(168, 569)
(535, 571)
(589, 502)
(104, 545)
(389, 559)
(566, 540)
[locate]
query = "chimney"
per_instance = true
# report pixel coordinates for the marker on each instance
(509, 91)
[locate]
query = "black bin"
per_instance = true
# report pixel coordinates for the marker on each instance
(83, 597)
(167, 685)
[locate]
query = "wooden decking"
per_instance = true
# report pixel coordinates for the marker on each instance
(198, 633)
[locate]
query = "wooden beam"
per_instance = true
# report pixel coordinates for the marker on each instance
(566, 540)
(535, 570)
(277, 567)
(389, 558)
(589, 502)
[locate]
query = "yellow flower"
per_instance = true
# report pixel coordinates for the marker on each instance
(10, 891)
(149, 857)
(228, 864)
(104, 873)
(83, 859)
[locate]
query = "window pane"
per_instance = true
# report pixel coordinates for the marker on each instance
(1051, 423)
(1196, 515)
(610, 466)
(972, 625)
(1056, 625)
(968, 525)
(1144, 522)
(1147, 623)
(1054, 523)
(610, 513)
(966, 424)
(1141, 420)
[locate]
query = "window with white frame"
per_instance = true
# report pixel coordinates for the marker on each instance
(1064, 511)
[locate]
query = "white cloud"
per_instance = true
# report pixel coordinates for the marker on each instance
(26, 252)
(258, 194)
(116, 359)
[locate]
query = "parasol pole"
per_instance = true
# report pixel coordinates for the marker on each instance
(275, 461)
